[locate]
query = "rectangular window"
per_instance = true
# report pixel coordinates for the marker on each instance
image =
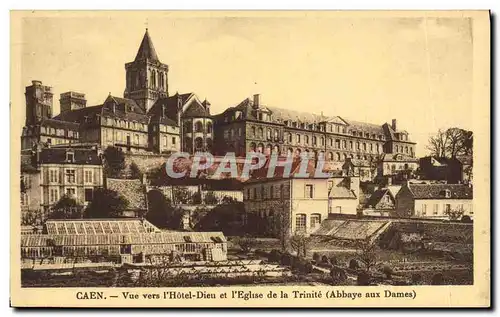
(53, 195)
(70, 157)
(71, 192)
(309, 191)
(315, 221)
(53, 176)
(136, 139)
(300, 223)
(173, 140)
(424, 210)
(435, 209)
(338, 209)
(88, 176)
(70, 176)
(88, 194)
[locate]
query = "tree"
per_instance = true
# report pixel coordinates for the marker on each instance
(114, 161)
(66, 208)
(135, 172)
(367, 254)
(106, 204)
(300, 244)
(181, 195)
(455, 213)
(158, 208)
(210, 198)
(451, 143)
(438, 144)
(246, 243)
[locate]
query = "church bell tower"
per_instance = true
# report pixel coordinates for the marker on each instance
(147, 77)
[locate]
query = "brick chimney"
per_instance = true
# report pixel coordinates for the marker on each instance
(256, 100)
(394, 126)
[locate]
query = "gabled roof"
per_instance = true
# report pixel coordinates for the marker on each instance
(340, 192)
(437, 191)
(146, 50)
(377, 196)
(132, 189)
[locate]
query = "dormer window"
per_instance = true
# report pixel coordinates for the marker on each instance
(447, 193)
(70, 156)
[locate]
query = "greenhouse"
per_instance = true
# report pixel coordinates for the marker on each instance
(120, 240)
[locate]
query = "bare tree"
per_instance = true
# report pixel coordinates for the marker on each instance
(300, 244)
(451, 143)
(438, 144)
(366, 252)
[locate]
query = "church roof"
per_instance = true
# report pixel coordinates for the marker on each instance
(146, 50)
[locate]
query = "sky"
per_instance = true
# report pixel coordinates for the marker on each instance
(416, 70)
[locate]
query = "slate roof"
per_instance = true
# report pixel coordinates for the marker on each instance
(436, 191)
(58, 124)
(146, 49)
(357, 162)
(465, 159)
(366, 127)
(261, 173)
(58, 156)
(126, 109)
(156, 111)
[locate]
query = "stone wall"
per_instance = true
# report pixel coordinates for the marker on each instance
(145, 161)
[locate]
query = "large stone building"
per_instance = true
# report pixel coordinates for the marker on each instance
(47, 174)
(147, 119)
(253, 126)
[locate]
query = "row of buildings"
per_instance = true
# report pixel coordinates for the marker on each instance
(62, 154)
(148, 119)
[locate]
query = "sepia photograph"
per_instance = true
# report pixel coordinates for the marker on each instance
(241, 157)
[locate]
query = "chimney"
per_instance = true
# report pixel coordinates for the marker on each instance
(394, 126)
(389, 181)
(256, 100)
(163, 111)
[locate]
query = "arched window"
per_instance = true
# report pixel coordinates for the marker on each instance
(198, 143)
(261, 132)
(338, 156)
(268, 134)
(198, 127)
(289, 137)
(209, 144)
(209, 127)
(253, 132)
(253, 147)
(276, 134)
(315, 221)
(306, 139)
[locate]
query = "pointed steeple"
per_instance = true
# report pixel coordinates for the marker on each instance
(146, 50)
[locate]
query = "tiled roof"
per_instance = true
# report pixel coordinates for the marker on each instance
(146, 50)
(58, 156)
(377, 196)
(437, 191)
(156, 111)
(465, 159)
(58, 124)
(341, 192)
(132, 189)
(195, 109)
(365, 127)
(79, 115)
(387, 157)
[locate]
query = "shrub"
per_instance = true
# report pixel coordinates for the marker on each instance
(437, 279)
(275, 256)
(316, 257)
(246, 243)
(353, 264)
(416, 278)
(363, 278)
(388, 271)
(286, 259)
(333, 261)
(324, 259)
